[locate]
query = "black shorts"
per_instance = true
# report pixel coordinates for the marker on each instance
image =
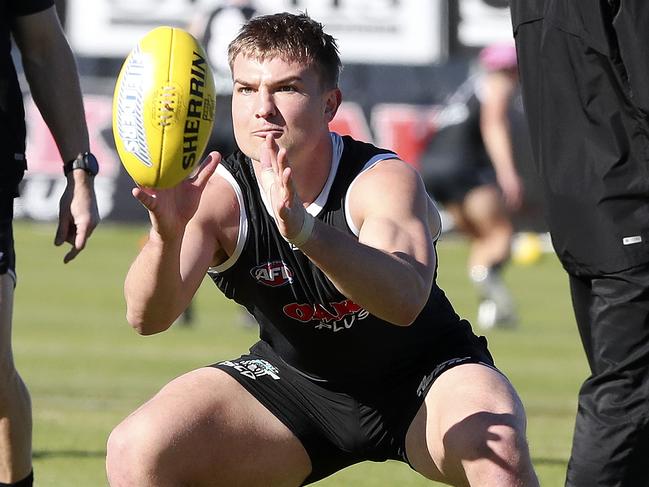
(7, 252)
(341, 426)
(449, 180)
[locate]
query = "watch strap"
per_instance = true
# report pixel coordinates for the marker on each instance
(85, 161)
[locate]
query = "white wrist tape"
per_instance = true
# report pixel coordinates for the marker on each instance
(305, 232)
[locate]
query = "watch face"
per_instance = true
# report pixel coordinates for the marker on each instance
(86, 161)
(92, 166)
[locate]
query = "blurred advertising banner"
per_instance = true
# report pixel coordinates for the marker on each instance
(379, 31)
(481, 22)
(410, 32)
(403, 60)
(368, 31)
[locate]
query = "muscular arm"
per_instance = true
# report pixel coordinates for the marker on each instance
(185, 239)
(164, 277)
(389, 269)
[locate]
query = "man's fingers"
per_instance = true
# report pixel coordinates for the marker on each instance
(82, 235)
(272, 152)
(71, 255)
(61, 232)
(76, 236)
(207, 169)
(281, 160)
(143, 197)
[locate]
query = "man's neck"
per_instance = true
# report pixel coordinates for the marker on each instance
(310, 170)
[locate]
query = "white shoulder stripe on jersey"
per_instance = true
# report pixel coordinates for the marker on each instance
(438, 218)
(370, 164)
(243, 222)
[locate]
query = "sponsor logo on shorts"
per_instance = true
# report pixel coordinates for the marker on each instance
(335, 317)
(254, 369)
(273, 274)
(425, 383)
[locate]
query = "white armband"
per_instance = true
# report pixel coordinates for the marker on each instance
(305, 232)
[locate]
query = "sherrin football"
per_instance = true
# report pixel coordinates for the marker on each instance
(163, 108)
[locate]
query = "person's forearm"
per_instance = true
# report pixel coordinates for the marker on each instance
(153, 286)
(499, 147)
(387, 285)
(54, 84)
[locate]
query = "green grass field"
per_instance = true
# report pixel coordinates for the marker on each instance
(87, 369)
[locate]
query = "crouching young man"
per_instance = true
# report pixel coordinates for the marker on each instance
(330, 244)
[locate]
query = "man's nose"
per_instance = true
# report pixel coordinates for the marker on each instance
(266, 105)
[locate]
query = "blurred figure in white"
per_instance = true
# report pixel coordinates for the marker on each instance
(469, 168)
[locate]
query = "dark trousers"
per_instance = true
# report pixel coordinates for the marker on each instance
(611, 440)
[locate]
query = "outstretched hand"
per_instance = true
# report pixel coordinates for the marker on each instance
(277, 183)
(171, 209)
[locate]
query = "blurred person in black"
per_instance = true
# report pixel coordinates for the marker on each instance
(468, 167)
(51, 72)
(584, 68)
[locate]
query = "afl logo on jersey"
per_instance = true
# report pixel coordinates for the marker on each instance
(273, 274)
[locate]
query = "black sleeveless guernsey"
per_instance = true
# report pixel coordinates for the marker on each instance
(302, 316)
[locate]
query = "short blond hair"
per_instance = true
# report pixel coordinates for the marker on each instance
(292, 38)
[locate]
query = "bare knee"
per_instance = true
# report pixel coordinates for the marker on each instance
(134, 454)
(490, 449)
(471, 431)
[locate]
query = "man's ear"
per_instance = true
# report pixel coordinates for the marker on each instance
(332, 102)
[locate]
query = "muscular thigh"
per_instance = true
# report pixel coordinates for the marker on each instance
(209, 427)
(467, 409)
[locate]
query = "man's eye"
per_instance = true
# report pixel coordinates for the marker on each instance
(245, 90)
(286, 88)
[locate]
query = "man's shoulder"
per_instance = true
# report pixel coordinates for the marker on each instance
(223, 192)
(362, 151)
(350, 141)
(219, 210)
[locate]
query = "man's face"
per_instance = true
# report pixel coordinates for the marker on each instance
(279, 98)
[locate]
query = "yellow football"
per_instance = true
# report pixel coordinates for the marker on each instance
(163, 108)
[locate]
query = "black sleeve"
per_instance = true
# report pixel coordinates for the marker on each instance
(631, 25)
(27, 7)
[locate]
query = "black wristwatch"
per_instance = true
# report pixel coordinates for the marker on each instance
(86, 161)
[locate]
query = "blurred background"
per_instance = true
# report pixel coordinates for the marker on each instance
(403, 59)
